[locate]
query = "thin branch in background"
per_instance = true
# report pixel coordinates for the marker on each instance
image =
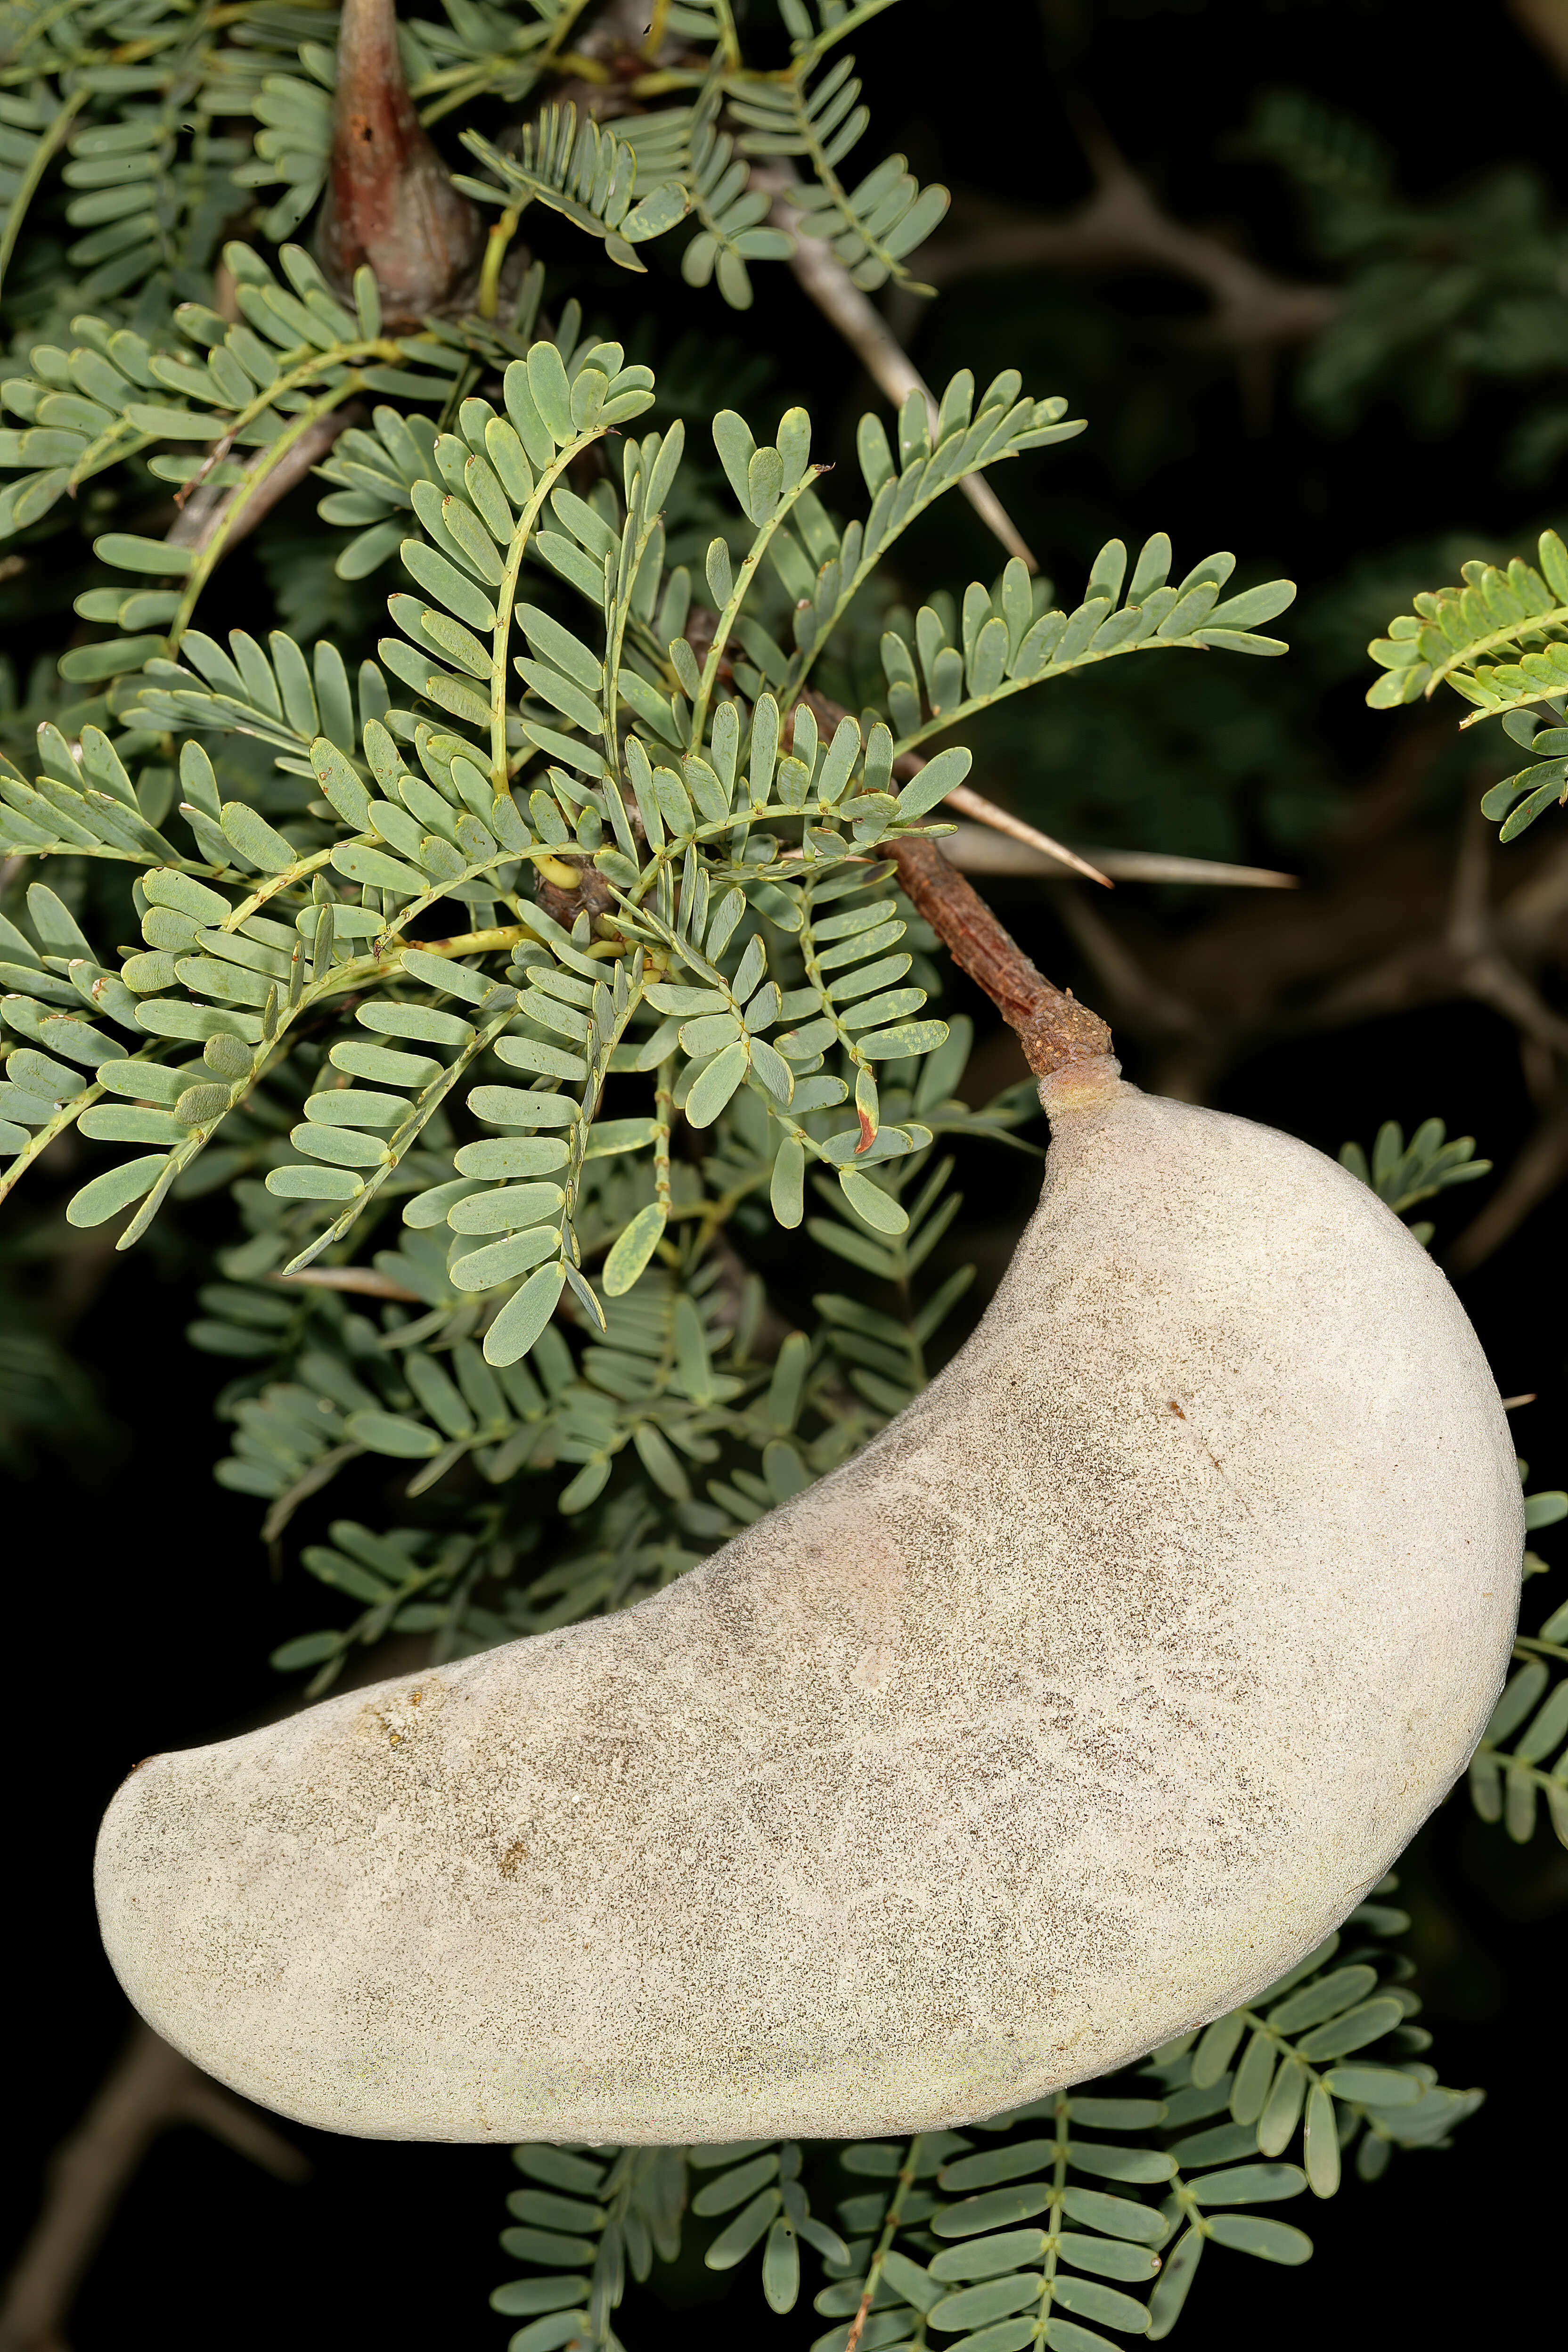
(1538, 1069)
(829, 285)
(348, 1277)
(207, 509)
(1484, 973)
(150, 2088)
(1122, 226)
(1492, 980)
(1534, 1175)
(977, 849)
(1544, 23)
(1532, 915)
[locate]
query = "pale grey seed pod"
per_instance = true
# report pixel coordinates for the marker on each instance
(1081, 1704)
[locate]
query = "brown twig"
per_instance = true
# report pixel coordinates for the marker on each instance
(1053, 1027)
(151, 2088)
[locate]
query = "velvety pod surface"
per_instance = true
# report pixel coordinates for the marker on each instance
(1079, 1706)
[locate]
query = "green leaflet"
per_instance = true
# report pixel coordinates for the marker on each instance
(1254, 2233)
(507, 1206)
(633, 1248)
(116, 1190)
(524, 1316)
(715, 1085)
(997, 2164)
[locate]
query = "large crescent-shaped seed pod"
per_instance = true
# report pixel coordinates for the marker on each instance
(1081, 1704)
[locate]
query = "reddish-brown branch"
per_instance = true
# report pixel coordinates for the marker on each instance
(390, 198)
(1053, 1027)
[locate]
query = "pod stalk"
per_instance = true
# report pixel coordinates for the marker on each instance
(1054, 1029)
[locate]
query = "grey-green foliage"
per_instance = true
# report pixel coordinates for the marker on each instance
(137, 106)
(584, 172)
(1501, 642)
(1401, 1174)
(1005, 639)
(296, 355)
(731, 838)
(1093, 2205)
(1523, 1752)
